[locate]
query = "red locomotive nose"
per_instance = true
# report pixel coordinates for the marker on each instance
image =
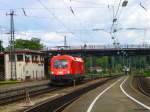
(67, 67)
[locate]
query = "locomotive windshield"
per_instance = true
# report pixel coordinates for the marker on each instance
(60, 63)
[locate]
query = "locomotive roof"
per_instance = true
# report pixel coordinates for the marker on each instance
(69, 57)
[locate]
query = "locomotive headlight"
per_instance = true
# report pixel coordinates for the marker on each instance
(52, 72)
(68, 72)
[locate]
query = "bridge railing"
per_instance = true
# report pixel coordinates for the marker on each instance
(79, 47)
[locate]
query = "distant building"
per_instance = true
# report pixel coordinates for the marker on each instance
(97, 69)
(29, 65)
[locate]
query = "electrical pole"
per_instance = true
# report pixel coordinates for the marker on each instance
(65, 41)
(1, 47)
(91, 63)
(12, 46)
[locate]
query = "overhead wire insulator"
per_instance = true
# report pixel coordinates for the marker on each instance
(143, 6)
(114, 20)
(113, 37)
(72, 11)
(124, 4)
(114, 31)
(24, 12)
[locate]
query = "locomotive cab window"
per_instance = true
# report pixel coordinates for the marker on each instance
(60, 63)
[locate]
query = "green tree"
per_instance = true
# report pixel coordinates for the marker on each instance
(33, 44)
(102, 61)
(87, 64)
(1, 46)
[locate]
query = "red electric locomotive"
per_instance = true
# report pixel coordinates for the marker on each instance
(66, 68)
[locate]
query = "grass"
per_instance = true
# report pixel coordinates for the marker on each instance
(9, 82)
(145, 73)
(102, 74)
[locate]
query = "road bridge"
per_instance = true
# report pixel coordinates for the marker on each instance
(101, 50)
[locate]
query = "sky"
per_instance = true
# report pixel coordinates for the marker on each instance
(81, 21)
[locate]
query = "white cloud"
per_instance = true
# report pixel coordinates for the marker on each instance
(52, 36)
(88, 15)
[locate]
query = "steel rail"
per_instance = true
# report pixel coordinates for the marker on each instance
(59, 103)
(18, 94)
(142, 87)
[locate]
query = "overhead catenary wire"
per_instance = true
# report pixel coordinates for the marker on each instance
(143, 6)
(37, 23)
(33, 21)
(147, 23)
(80, 39)
(115, 22)
(76, 14)
(29, 16)
(69, 8)
(44, 6)
(102, 5)
(118, 9)
(58, 8)
(88, 2)
(115, 16)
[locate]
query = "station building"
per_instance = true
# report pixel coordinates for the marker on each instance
(29, 65)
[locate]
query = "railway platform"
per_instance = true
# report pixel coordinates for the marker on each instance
(114, 96)
(6, 87)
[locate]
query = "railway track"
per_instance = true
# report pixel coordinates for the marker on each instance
(144, 85)
(20, 93)
(59, 103)
(13, 95)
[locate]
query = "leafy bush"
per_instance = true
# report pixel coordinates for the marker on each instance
(147, 73)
